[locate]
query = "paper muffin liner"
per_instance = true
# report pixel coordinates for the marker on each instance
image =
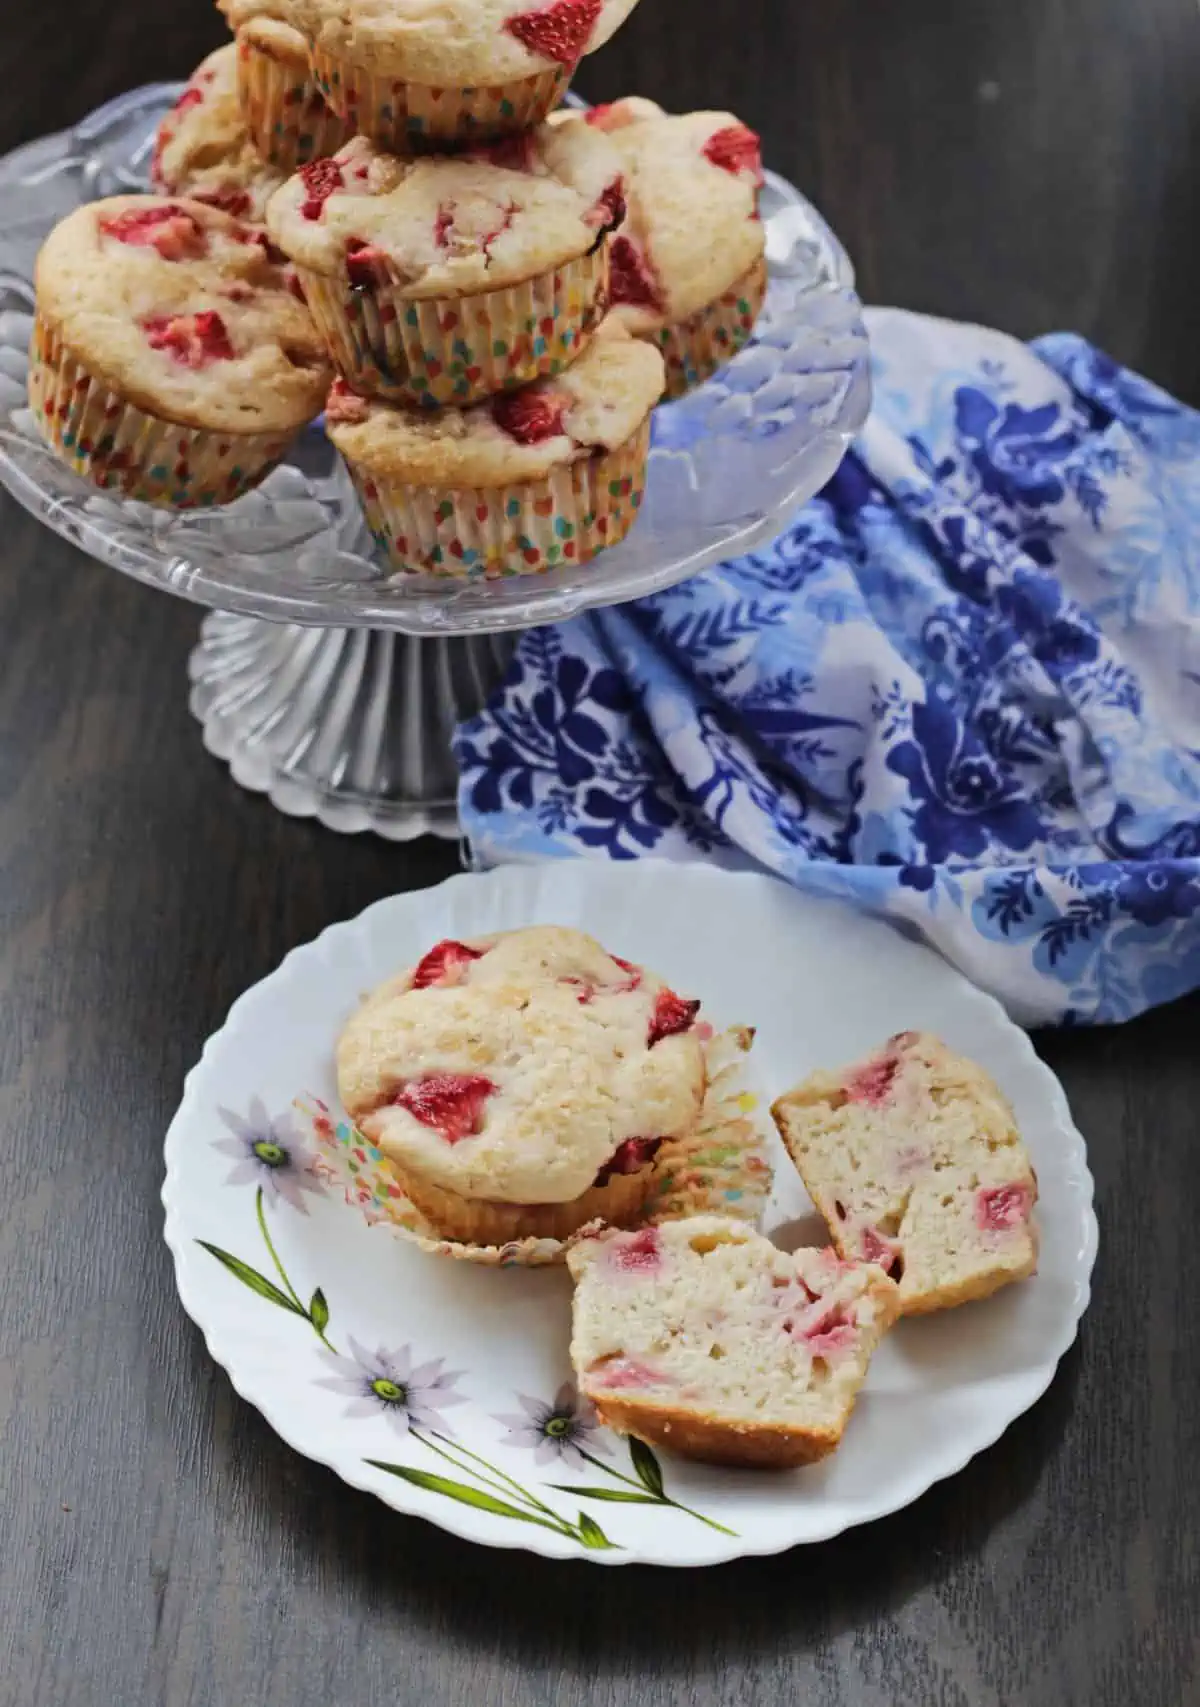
(619, 1202)
(490, 532)
(287, 116)
(121, 447)
(457, 350)
(413, 118)
(695, 348)
(720, 1169)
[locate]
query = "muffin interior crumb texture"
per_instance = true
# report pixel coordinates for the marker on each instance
(702, 1334)
(913, 1158)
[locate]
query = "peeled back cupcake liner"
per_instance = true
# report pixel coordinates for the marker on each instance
(695, 348)
(286, 114)
(490, 532)
(413, 118)
(619, 1202)
(463, 349)
(719, 1169)
(123, 448)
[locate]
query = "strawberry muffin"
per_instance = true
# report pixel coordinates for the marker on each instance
(700, 1336)
(520, 1085)
(284, 111)
(444, 280)
(203, 149)
(445, 73)
(688, 267)
(170, 362)
(535, 479)
(914, 1160)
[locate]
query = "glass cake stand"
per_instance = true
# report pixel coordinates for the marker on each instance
(323, 680)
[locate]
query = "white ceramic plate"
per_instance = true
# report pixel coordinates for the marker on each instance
(443, 1387)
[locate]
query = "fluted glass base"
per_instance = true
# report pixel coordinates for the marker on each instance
(351, 726)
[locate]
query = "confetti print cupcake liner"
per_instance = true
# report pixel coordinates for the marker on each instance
(413, 118)
(525, 529)
(457, 350)
(122, 448)
(721, 1169)
(695, 348)
(285, 112)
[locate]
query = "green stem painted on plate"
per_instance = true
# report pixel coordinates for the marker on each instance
(514, 1487)
(659, 1499)
(301, 1308)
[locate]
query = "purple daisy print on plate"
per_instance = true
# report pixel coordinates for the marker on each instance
(270, 1153)
(558, 1432)
(409, 1395)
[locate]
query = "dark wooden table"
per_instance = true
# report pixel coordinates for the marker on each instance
(1030, 163)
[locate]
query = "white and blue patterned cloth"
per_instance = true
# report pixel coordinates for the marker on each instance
(962, 691)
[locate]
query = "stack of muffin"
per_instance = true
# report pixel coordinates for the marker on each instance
(377, 193)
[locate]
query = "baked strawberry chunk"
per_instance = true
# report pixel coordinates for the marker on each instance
(631, 279)
(637, 1253)
(366, 265)
(736, 149)
(1001, 1207)
(231, 200)
(629, 1158)
(625, 1372)
(530, 416)
(559, 32)
(345, 405)
(193, 340)
(175, 233)
(873, 1247)
(321, 179)
(609, 210)
(446, 961)
(451, 1103)
(874, 1083)
(672, 1015)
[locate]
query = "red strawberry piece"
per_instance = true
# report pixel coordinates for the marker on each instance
(636, 1253)
(671, 1016)
(1001, 1207)
(193, 340)
(444, 964)
(598, 115)
(451, 1103)
(321, 178)
(618, 1372)
(559, 32)
(366, 265)
(873, 1083)
(736, 149)
(609, 211)
(835, 1330)
(530, 416)
(191, 97)
(632, 972)
(629, 1158)
(507, 215)
(873, 1247)
(345, 406)
(631, 277)
(443, 225)
(172, 230)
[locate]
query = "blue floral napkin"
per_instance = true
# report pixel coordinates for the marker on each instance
(961, 691)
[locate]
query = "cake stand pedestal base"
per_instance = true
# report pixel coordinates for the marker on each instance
(351, 726)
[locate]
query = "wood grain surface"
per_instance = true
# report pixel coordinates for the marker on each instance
(1031, 163)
